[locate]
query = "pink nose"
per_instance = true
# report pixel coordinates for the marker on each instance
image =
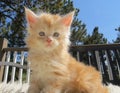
(49, 40)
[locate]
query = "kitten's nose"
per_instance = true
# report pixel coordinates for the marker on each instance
(49, 40)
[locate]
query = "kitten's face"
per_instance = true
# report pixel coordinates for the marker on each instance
(47, 32)
(46, 37)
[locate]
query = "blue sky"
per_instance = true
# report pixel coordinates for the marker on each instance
(102, 13)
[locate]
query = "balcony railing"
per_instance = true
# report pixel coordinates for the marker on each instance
(105, 58)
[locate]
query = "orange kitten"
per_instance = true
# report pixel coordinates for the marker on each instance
(54, 70)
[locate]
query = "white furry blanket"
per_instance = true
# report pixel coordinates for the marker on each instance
(22, 88)
(13, 88)
(113, 88)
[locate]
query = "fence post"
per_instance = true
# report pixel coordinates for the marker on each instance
(3, 44)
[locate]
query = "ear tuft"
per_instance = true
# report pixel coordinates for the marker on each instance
(67, 19)
(31, 16)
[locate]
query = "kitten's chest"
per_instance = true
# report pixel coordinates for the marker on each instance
(48, 69)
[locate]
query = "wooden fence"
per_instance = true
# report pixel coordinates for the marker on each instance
(106, 59)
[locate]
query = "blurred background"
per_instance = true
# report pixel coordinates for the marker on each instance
(95, 21)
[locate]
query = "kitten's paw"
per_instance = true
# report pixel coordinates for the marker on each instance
(33, 90)
(43, 91)
(48, 90)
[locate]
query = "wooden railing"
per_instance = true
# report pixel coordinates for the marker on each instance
(105, 58)
(14, 65)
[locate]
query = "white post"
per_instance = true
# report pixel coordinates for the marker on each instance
(109, 67)
(28, 73)
(98, 61)
(21, 70)
(14, 68)
(7, 67)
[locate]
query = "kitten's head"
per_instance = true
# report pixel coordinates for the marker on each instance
(48, 32)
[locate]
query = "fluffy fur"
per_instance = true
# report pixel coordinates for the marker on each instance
(113, 88)
(54, 70)
(23, 88)
(13, 88)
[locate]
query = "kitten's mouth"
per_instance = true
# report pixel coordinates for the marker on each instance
(48, 44)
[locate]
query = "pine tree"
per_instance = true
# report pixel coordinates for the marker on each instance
(12, 24)
(78, 34)
(95, 38)
(13, 21)
(118, 37)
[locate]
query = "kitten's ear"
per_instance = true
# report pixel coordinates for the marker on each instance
(31, 16)
(67, 19)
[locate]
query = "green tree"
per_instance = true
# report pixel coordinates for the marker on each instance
(78, 34)
(13, 21)
(118, 37)
(95, 38)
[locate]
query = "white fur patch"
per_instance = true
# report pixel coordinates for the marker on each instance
(113, 88)
(13, 88)
(22, 88)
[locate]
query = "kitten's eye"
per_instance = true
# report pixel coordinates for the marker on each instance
(56, 34)
(42, 33)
